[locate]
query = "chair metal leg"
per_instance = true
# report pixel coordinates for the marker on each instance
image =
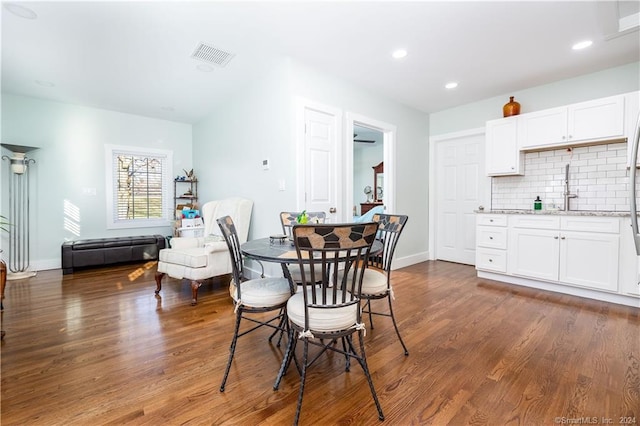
(368, 306)
(302, 380)
(393, 318)
(286, 361)
(362, 359)
(281, 325)
(232, 348)
(346, 355)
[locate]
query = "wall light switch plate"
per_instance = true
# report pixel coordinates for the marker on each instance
(281, 185)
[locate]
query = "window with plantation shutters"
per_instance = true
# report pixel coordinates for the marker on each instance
(139, 184)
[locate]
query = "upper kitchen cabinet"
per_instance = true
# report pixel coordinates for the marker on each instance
(584, 122)
(503, 157)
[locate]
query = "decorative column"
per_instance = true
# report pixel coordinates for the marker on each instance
(18, 263)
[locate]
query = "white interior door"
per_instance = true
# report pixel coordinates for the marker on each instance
(461, 186)
(321, 163)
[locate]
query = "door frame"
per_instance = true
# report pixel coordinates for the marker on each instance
(433, 207)
(389, 157)
(301, 106)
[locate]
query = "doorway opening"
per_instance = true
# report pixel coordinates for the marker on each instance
(370, 165)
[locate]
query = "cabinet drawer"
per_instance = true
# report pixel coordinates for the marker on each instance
(491, 259)
(491, 237)
(492, 219)
(534, 221)
(609, 225)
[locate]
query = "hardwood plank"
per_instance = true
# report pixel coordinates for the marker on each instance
(97, 347)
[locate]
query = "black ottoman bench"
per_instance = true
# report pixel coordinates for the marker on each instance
(109, 251)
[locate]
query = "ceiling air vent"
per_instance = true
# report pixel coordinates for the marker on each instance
(212, 55)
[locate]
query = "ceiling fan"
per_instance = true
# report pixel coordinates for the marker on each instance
(355, 135)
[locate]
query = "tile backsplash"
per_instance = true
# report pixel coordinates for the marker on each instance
(597, 174)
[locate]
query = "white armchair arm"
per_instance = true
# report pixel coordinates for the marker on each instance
(186, 242)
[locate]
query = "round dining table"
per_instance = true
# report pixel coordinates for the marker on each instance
(281, 250)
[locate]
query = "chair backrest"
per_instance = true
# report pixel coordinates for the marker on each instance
(288, 220)
(230, 234)
(334, 248)
(238, 208)
(389, 230)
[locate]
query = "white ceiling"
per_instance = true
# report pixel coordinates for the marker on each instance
(134, 57)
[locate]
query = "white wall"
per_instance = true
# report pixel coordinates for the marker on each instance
(259, 123)
(70, 159)
(230, 144)
(612, 81)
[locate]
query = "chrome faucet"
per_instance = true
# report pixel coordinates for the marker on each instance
(567, 194)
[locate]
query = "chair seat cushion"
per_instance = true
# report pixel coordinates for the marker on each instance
(321, 319)
(191, 258)
(262, 292)
(374, 282)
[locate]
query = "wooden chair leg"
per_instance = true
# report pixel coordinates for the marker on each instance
(195, 285)
(159, 276)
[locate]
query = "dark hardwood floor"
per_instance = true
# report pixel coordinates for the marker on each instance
(97, 347)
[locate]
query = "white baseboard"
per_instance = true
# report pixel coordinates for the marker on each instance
(401, 262)
(43, 265)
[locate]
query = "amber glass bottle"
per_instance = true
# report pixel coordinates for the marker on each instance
(511, 108)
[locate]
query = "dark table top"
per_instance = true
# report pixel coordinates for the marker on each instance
(280, 251)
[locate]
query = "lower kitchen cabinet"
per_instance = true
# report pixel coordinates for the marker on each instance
(534, 253)
(586, 256)
(589, 260)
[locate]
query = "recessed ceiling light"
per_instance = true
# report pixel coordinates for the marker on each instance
(451, 85)
(44, 83)
(204, 67)
(582, 45)
(21, 11)
(399, 54)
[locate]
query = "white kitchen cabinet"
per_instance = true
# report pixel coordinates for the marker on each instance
(583, 255)
(573, 250)
(544, 128)
(534, 253)
(491, 242)
(503, 156)
(589, 259)
(596, 120)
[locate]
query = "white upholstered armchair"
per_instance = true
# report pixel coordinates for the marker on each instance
(199, 258)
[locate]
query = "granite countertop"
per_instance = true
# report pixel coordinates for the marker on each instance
(558, 212)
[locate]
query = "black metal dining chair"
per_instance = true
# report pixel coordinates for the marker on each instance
(326, 311)
(288, 220)
(376, 283)
(254, 296)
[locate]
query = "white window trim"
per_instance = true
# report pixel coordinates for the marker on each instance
(167, 180)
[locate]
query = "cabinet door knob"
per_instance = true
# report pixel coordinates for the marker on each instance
(491, 238)
(570, 137)
(564, 137)
(490, 220)
(490, 260)
(563, 238)
(555, 238)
